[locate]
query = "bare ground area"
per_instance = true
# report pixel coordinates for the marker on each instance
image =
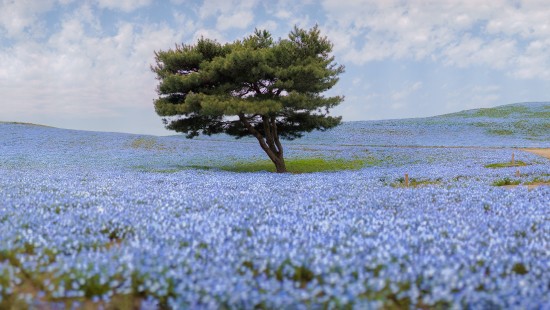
(540, 152)
(529, 186)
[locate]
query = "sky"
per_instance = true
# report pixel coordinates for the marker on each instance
(85, 64)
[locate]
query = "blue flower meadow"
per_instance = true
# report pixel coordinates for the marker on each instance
(91, 217)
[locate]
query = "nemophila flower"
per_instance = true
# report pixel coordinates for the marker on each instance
(102, 217)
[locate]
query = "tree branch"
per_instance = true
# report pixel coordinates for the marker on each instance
(259, 137)
(269, 134)
(276, 136)
(256, 88)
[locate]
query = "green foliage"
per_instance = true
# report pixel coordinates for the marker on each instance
(252, 87)
(506, 181)
(202, 84)
(116, 233)
(520, 269)
(517, 163)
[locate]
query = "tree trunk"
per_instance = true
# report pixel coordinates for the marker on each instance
(280, 165)
(270, 143)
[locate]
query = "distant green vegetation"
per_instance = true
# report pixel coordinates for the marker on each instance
(503, 112)
(23, 123)
(302, 165)
(500, 132)
(521, 127)
(147, 143)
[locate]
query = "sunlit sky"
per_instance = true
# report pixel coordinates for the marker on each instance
(85, 64)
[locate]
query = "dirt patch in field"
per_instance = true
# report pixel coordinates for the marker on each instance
(540, 152)
(529, 186)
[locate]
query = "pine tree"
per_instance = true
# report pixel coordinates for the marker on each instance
(257, 86)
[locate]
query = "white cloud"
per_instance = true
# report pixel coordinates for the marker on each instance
(215, 7)
(406, 92)
(498, 53)
(459, 33)
(283, 14)
(530, 19)
(123, 5)
(535, 62)
(210, 34)
(79, 75)
(86, 14)
(19, 17)
(269, 25)
(235, 20)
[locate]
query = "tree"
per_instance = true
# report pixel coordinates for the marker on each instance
(259, 87)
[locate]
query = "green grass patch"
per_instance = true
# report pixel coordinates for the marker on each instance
(302, 165)
(293, 165)
(399, 183)
(517, 163)
(482, 124)
(500, 132)
(539, 181)
(506, 181)
(147, 143)
(502, 111)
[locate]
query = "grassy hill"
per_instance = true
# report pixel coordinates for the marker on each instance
(514, 125)
(515, 110)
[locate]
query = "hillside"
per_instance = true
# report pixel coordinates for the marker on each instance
(513, 125)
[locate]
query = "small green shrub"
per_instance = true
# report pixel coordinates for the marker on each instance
(506, 181)
(539, 180)
(520, 269)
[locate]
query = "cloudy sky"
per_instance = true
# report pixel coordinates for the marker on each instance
(84, 64)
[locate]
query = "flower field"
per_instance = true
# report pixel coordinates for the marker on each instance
(115, 220)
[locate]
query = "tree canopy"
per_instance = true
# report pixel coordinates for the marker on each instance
(258, 86)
